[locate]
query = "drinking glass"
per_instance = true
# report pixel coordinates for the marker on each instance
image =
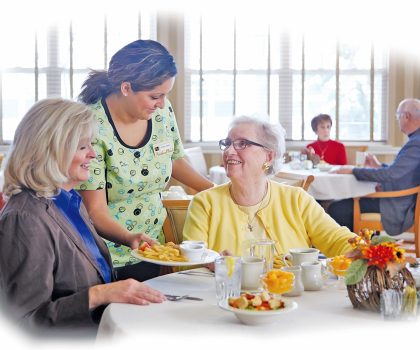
(264, 248)
(228, 277)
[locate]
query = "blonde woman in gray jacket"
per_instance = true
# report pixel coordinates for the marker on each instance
(55, 271)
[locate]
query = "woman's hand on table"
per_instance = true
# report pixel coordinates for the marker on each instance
(127, 291)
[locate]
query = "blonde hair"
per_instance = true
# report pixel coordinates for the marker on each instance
(45, 143)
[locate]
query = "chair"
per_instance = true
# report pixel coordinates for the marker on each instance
(195, 157)
(372, 221)
(174, 223)
(298, 180)
(351, 153)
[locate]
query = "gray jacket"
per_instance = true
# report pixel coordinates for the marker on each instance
(45, 268)
(397, 213)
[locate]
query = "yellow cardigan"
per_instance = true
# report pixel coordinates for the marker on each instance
(292, 218)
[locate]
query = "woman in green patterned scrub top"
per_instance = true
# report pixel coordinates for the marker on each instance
(138, 150)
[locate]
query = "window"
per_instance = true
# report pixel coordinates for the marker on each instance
(54, 59)
(237, 65)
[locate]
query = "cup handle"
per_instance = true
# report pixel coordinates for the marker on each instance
(287, 259)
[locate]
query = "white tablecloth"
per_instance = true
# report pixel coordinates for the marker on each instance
(324, 319)
(324, 187)
(334, 186)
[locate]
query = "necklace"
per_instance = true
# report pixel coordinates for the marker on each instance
(323, 150)
(249, 225)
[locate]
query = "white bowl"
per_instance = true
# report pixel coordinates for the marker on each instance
(324, 167)
(194, 252)
(251, 317)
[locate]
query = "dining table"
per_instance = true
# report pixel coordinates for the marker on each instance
(327, 185)
(323, 319)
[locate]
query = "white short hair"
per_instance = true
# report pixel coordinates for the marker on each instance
(44, 145)
(271, 136)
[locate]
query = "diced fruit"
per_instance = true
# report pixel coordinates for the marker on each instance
(257, 303)
(278, 281)
(339, 265)
(143, 246)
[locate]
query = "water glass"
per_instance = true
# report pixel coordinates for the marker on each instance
(228, 277)
(264, 249)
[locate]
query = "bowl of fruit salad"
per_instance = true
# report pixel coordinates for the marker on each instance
(260, 308)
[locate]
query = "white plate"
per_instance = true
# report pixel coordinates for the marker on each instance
(209, 258)
(252, 317)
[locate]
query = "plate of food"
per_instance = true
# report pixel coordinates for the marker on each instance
(170, 254)
(260, 308)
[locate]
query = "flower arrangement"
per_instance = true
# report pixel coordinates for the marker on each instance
(378, 264)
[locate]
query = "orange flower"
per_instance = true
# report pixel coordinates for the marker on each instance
(378, 255)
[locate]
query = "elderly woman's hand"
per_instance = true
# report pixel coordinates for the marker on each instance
(127, 291)
(225, 252)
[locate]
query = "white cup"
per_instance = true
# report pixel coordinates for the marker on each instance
(297, 256)
(312, 275)
(202, 243)
(360, 158)
(252, 269)
(194, 252)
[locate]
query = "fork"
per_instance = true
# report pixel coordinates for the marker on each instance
(180, 297)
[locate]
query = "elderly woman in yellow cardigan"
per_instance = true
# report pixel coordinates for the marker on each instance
(251, 206)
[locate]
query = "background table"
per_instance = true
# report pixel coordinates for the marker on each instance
(326, 186)
(324, 319)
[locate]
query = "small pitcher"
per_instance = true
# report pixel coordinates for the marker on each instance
(312, 275)
(298, 285)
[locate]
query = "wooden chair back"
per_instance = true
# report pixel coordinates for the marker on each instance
(372, 221)
(174, 223)
(298, 180)
(351, 153)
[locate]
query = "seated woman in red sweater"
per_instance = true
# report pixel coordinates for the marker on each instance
(325, 149)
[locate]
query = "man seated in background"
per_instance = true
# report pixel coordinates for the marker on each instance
(324, 149)
(397, 213)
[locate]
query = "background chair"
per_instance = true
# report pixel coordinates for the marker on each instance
(351, 153)
(298, 180)
(372, 221)
(174, 223)
(195, 157)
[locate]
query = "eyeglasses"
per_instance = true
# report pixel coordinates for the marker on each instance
(398, 115)
(238, 145)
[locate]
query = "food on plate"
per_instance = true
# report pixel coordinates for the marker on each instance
(257, 302)
(278, 281)
(167, 252)
(339, 265)
(278, 262)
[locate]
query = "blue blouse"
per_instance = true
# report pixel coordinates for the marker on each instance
(69, 205)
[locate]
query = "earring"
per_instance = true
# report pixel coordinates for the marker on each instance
(266, 166)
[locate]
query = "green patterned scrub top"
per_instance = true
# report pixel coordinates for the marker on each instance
(134, 176)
